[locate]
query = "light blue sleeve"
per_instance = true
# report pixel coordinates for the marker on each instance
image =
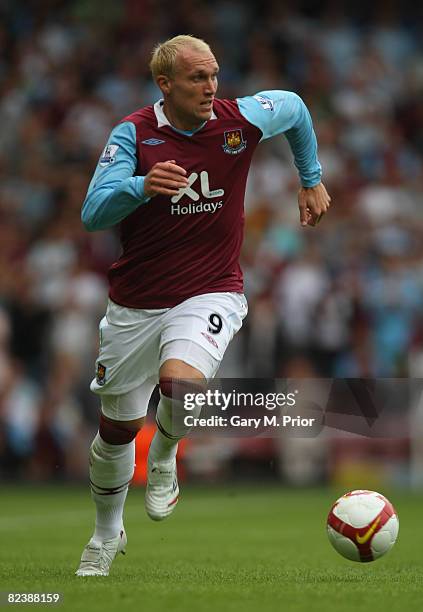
(276, 112)
(114, 191)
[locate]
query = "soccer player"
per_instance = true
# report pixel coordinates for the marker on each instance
(173, 176)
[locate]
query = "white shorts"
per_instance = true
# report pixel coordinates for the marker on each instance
(134, 343)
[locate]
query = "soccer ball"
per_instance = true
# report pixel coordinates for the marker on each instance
(362, 525)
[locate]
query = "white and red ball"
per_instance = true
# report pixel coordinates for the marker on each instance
(362, 525)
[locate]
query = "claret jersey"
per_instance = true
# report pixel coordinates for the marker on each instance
(174, 248)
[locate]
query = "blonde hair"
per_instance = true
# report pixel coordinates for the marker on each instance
(164, 54)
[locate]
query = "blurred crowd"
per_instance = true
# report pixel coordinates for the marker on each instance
(342, 300)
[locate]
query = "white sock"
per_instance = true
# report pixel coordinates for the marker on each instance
(163, 447)
(170, 429)
(111, 470)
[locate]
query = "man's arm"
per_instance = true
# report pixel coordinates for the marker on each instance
(277, 112)
(114, 191)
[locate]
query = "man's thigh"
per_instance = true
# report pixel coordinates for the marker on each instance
(198, 331)
(129, 349)
(130, 405)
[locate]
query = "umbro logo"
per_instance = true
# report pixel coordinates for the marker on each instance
(153, 142)
(210, 339)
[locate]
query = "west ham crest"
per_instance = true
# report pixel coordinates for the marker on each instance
(234, 142)
(101, 374)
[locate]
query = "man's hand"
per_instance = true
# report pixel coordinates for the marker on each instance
(313, 203)
(165, 178)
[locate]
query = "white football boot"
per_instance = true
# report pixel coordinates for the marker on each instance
(97, 557)
(161, 495)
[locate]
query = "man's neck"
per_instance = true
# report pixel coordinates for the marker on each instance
(180, 123)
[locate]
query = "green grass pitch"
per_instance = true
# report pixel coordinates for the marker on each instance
(225, 549)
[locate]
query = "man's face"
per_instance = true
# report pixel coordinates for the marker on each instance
(190, 92)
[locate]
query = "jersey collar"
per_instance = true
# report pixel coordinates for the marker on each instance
(162, 120)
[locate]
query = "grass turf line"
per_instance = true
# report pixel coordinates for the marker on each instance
(233, 549)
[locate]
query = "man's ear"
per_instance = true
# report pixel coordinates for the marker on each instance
(164, 84)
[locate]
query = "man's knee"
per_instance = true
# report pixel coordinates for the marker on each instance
(119, 432)
(176, 368)
(176, 385)
(178, 378)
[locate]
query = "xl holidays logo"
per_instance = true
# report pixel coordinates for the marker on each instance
(206, 192)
